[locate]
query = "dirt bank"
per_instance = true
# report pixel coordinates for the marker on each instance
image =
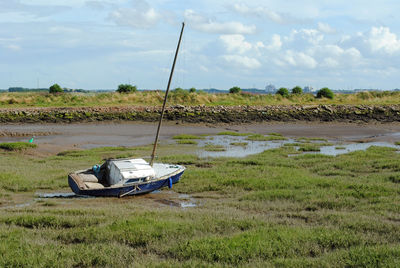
(207, 114)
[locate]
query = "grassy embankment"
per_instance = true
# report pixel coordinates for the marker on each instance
(10, 100)
(266, 209)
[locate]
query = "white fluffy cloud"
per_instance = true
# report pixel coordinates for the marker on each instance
(276, 42)
(204, 24)
(142, 15)
(381, 39)
(236, 43)
(326, 28)
(242, 61)
(263, 12)
(296, 59)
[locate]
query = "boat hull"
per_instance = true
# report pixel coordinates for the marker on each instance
(127, 190)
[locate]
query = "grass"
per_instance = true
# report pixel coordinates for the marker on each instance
(309, 147)
(340, 147)
(187, 137)
(243, 144)
(232, 133)
(397, 143)
(214, 148)
(260, 211)
(17, 146)
(140, 98)
(259, 137)
(186, 142)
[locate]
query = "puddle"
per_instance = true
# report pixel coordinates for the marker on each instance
(18, 205)
(61, 195)
(188, 205)
(255, 147)
(347, 148)
(172, 199)
(252, 147)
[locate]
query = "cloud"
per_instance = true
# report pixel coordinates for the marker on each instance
(203, 24)
(235, 43)
(64, 30)
(263, 12)
(297, 59)
(13, 47)
(326, 28)
(242, 61)
(36, 10)
(276, 42)
(142, 15)
(310, 36)
(381, 39)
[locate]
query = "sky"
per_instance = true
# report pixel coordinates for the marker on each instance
(99, 44)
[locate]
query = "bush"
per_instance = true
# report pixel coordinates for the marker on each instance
(297, 90)
(284, 92)
(179, 90)
(55, 89)
(235, 90)
(192, 90)
(126, 88)
(325, 92)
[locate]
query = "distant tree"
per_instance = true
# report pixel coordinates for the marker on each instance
(235, 90)
(284, 92)
(325, 92)
(55, 89)
(126, 88)
(192, 90)
(179, 90)
(297, 90)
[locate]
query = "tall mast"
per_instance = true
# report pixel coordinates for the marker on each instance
(166, 96)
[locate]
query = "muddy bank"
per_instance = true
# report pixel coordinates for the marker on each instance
(207, 114)
(100, 134)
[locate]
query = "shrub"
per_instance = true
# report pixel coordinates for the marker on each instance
(284, 92)
(297, 90)
(55, 89)
(192, 90)
(235, 90)
(325, 92)
(126, 88)
(179, 90)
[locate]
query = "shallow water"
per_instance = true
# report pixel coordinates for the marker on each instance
(331, 150)
(60, 195)
(252, 147)
(255, 147)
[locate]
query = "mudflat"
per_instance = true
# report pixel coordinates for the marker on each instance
(57, 137)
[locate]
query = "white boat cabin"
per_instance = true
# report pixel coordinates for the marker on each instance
(126, 171)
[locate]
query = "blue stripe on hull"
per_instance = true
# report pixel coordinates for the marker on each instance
(115, 192)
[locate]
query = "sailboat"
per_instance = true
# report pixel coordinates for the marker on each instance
(129, 176)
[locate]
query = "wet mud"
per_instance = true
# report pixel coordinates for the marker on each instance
(63, 137)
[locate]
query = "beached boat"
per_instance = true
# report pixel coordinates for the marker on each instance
(124, 177)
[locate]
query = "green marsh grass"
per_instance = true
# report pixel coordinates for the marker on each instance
(214, 148)
(260, 137)
(243, 144)
(232, 133)
(186, 142)
(263, 210)
(16, 146)
(187, 137)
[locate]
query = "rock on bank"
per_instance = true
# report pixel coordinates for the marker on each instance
(206, 114)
